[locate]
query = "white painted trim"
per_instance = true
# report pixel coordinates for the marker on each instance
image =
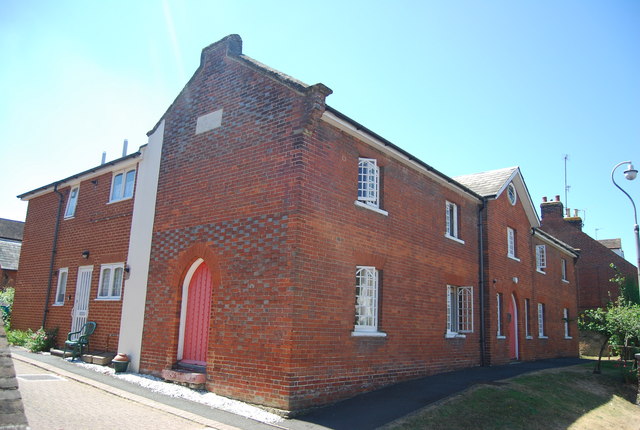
(368, 334)
(516, 335)
(351, 130)
(183, 308)
(370, 207)
(139, 253)
(455, 239)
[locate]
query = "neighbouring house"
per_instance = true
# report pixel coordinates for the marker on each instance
(288, 254)
(76, 242)
(615, 245)
(11, 233)
(593, 270)
(530, 283)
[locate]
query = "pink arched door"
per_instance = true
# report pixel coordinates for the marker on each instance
(196, 322)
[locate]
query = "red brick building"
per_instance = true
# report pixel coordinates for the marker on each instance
(76, 239)
(529, 277)
(295, 257)
(593, 270)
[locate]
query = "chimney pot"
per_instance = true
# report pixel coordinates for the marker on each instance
(544, 199)
(557, 198)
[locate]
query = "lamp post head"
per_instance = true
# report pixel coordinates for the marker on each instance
(630, 173)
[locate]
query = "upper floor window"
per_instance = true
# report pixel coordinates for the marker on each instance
(62, 286)
(110, 286)
(72, 202)
(511, 194)
(459, 311)
(511, 243)
(541, 258)
(369, 182)
(452, 221)
(563, 268)
(122, 185)
(367, 286)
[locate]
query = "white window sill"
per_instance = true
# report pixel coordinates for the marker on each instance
(513, 258)
(564, 281)
(529, 337)
(69, 217)
(455, 239)
(108, 299)
(541, 271)
(543, 337)
(120, 200)
(370, 207)
(58, 304)
(568, 337)
(452, 335)
(368, 334)
(501, 337)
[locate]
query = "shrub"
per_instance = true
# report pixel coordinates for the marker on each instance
(42, 340)
(6, 303)
(18, 337)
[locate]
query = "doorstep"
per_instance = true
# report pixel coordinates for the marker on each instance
(98, 357)
(194, 380)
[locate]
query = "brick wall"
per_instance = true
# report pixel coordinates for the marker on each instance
(267, 200)
(99, 227)
(519, 280)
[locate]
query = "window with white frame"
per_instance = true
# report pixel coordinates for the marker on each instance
(369, 182)
(541, 319)
(527, 319)
(367, 288)
(72, 202)
(499, 331)
(61, 290)
(565, 319)
(452, 221)
(563, 268)
(541, 258)
(110, 286)
(122, 185)
(511, 243)
(459, 311)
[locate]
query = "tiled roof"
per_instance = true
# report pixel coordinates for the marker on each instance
(9, 254)
(611, 243)
(487, 183)
(11, 229)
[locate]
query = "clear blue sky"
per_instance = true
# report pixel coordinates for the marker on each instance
(466, 86)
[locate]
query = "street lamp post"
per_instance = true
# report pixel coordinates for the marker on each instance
(630, 174)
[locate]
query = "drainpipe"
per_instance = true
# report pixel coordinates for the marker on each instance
(481, 281)
(54, 249)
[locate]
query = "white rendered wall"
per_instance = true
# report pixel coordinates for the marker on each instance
(135, 288)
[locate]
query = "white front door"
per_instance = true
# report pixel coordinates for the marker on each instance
(81, 304)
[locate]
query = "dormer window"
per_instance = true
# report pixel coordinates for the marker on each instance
(122, 185)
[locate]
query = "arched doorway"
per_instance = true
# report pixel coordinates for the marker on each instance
(195, 315)
(512, 337)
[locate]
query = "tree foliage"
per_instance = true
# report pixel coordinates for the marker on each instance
(619, 322)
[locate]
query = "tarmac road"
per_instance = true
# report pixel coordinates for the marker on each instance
(54, 402)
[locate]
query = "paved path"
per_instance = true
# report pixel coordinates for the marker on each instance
(367, 411)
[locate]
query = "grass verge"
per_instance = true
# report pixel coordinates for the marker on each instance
(572, 398)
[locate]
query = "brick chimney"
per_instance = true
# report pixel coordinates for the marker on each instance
(554, 210)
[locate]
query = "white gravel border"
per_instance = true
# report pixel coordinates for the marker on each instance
(204, 397)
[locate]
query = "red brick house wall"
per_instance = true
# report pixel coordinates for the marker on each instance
(521, 280)
(593, 269)
(267, 200)
(99, 227)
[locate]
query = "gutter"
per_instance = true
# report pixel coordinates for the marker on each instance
(483, 339)
(54, 250)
